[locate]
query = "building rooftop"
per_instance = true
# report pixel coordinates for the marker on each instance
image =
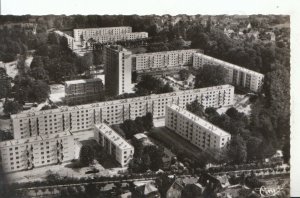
(139, 136)
(80, 81)
(62, 109)
(166, 52)
(15, 142)
(102, 28)
(221, 62)
(113, 136)
(200, 121)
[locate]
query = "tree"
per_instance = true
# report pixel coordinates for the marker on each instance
(86, 155)
(148, 121)
(184, 74)
(210, 75)
(39, 73)
(237, 150)
(196, 108)
(11, 107)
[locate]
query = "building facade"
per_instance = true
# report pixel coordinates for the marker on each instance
(83, 117)
(114, 144)
(27, 153)
(196, 130)
(110, 38)
(83, 91)
(236, 75)
(117, 68)
(165, 59)
(88, 33)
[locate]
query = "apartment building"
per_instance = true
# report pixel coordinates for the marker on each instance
(83, 117)
(83, 91)
(117, 68)
(88, 33)
(236, 75)
(28, 153)
(109, 38)
(195, 129)
(114, 144)
(165, 59)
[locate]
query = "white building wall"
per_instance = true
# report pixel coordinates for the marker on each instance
(83, 117)
(256, 79)
(189, 126)
(36, 151)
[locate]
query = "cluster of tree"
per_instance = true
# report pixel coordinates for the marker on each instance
(210, 75)
(13, 42)
(4, 135)
(184, 74)
(247, 143)
(139, 125)
(86, 155)
(55, 62)
(147, 157)
(151, 85)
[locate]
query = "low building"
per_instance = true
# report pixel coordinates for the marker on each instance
(196, 130)
(83, 91)
(28, 153)
(114, 144)
(148, 190)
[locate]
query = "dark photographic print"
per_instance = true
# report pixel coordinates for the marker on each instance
(145, 106)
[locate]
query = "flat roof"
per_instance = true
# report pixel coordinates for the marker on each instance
(113, 136)
(198, 120)
(63, 109)
(79, 81)
(102, 28)
(221, 62)
(165, 52)
(28, 140)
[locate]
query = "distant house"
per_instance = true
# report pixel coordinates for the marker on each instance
(147, 190)
(210, 181)
(125, 195)
(176, 189)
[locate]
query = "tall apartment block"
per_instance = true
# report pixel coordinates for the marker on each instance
(83, 117)
(196, 130)
(83, 91)
(114, 144)
(88, 33)
(27, 153)
(117, 68)
(236, 75)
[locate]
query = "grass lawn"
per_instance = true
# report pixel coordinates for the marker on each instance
(175, 142)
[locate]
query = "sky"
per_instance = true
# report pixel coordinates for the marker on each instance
(173, 7)
(68, 7)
